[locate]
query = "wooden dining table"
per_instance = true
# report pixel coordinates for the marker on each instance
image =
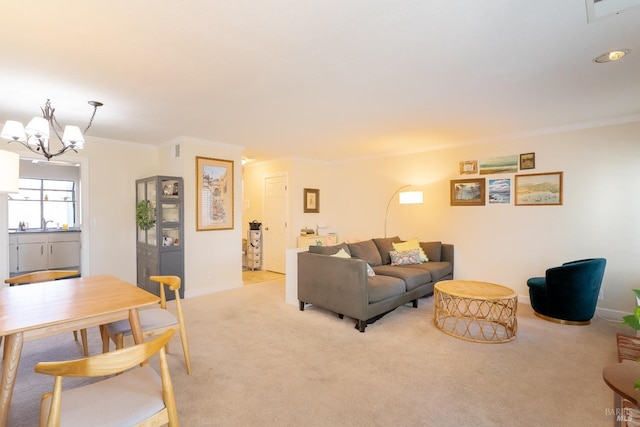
(43, 309)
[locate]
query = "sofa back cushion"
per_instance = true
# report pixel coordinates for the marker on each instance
(329, 250)
(433, 250)
(385, 245)
(366, 251)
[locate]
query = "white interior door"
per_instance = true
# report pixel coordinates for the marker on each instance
(276, 220)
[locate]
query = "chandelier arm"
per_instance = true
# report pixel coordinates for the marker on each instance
(95, 109)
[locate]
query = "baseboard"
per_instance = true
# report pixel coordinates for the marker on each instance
(211, 290)
(602, 313)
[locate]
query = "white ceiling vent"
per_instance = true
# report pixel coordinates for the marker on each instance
(597, 9)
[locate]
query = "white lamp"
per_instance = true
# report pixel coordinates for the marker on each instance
(405, 198)
(9, 171)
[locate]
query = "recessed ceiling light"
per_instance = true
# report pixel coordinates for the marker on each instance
(614, 55)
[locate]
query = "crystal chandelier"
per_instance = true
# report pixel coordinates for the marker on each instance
(35, 136)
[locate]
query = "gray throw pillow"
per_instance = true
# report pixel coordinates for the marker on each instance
(433, 250)
(329, 250)
(366, 251)
(385, 245)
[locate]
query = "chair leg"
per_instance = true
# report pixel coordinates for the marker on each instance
(75, 335)
(119, 341)
(85, 342)
(185, 347)
(105, 338)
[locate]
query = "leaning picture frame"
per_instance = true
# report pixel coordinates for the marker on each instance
(214, 194)
(538, 189)
(467, 192)
(311, 200)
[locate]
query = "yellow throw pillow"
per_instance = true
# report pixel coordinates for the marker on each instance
(409, 245)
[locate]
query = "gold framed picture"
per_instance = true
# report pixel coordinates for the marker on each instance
(214, 194)
(468, 192)
(469, 167)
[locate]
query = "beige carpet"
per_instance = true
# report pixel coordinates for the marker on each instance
(260, 362)
(250, 277)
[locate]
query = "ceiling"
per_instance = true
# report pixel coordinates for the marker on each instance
(323, 79)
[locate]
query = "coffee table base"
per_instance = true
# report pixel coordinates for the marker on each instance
(476, 319)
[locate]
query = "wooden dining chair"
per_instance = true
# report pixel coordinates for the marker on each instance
(138, 396)
(46, 276)
(153, 321)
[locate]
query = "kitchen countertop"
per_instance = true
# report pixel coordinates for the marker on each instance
(50, 230)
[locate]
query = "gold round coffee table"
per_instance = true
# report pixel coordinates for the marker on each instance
(476, 311)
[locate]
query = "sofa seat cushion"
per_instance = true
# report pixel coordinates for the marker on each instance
(412, 277)
(366, 251)
(438, 270)
(383, 287)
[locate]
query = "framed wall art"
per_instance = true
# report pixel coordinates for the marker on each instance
(311, 200)
(469, 167)
(468, 192)
(500, 191)
(538, 189)
(214, 194)
(505, 164)
(527, 161)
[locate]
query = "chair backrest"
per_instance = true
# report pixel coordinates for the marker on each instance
(108, 364)
(585, 275)
(41, 276)
(174, 285)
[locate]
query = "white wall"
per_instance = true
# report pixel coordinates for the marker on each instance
(213, 259)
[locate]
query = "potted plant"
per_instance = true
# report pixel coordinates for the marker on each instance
(145, 215)
(633, 320)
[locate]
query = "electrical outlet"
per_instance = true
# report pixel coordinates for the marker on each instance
(601, 294)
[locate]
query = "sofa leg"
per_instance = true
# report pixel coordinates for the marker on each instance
(340, 316)
(361, 324)
(415, 303)
(301, 306)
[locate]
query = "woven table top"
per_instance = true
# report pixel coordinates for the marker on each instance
(475, 290)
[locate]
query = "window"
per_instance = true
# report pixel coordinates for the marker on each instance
(43, 203)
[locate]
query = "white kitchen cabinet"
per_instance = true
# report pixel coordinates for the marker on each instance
(32, 251)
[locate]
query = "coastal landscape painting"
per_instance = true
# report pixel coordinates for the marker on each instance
(506, 164)
(499, 191)
(538, 189)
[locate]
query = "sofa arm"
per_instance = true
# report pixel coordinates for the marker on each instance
(336, 284)
(448, 254)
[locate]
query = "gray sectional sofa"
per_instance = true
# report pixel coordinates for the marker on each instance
(344, 286)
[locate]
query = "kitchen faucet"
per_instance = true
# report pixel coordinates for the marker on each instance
(45, 222)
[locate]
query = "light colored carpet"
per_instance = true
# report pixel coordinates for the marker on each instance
(258, 361)
(250, 277)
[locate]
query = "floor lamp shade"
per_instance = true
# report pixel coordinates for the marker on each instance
(9, 171)
(410, 197)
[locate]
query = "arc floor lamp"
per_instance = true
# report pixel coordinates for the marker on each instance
(404, 198)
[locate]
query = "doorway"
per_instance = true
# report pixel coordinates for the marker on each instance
(275, 227)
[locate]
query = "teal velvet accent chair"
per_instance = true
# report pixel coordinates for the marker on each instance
(568, 293)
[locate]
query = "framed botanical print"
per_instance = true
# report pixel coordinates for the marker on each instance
(214, 194)
(311, 200)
